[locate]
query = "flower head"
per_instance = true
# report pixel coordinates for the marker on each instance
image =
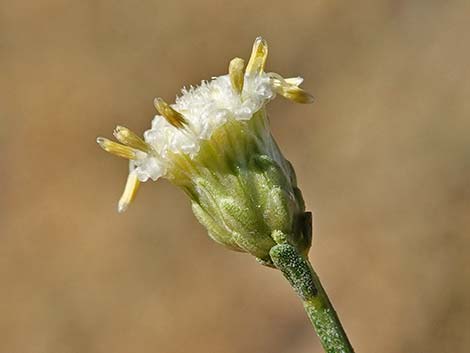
(214, 142)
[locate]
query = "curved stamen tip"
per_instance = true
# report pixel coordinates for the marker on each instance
(172, 116)
(296, 81)
(131, 139)
(289, 88)
(298, 95)
(258, 57)
(116, 148)
(130, 190)
(237, 77)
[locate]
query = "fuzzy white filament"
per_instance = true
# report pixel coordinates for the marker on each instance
(205, 108)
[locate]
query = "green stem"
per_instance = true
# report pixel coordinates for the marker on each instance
(299, 272)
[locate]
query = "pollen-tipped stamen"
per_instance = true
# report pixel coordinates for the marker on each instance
(296, 94)
(131, 139)
(237, 76)
(130, 190)
(172, 116)
(258, 57)
(289, 88)
(116, 148)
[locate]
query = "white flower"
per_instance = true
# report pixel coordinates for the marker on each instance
(201, 119)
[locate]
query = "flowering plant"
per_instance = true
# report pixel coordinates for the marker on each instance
(215, 144)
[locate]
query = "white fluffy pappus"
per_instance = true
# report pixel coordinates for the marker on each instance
(205, 108)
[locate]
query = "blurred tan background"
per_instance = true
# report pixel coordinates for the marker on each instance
(383, 159)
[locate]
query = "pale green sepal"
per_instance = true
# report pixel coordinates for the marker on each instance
(279, 210)
(215, 231)
(249, 233)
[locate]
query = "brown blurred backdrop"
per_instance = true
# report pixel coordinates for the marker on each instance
(383, 159)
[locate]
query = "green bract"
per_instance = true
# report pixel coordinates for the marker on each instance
(244, 191)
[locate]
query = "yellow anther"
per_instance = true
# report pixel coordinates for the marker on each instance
(258, 57)
(130, 190)
(296, 94)
(172, 116)
(237, 76)
(288, 88)
(116, 148)
(129, 138)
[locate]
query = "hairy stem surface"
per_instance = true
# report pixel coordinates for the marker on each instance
(300, 274)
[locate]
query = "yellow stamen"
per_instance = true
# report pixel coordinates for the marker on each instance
(116, 148)
(172, 116)
(258, 57)
(130, 190)
(288, 88)
(237, 76)
(296, 94)
(129, 138)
